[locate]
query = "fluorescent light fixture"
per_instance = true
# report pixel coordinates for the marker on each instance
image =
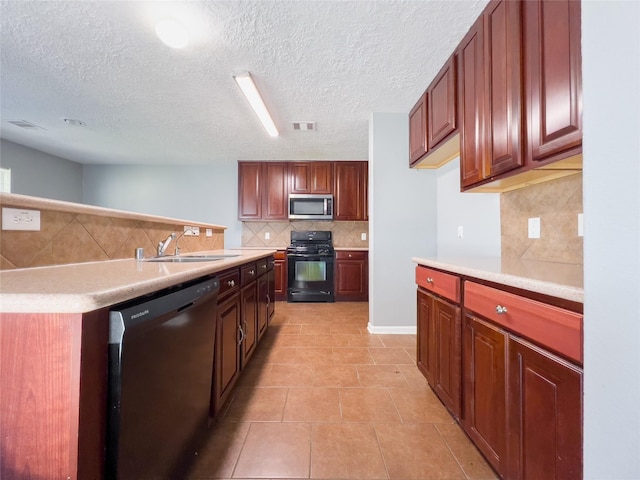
(172, 33)
(245, 82)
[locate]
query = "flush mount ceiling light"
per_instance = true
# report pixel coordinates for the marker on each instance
(172, 33)
(248, 87)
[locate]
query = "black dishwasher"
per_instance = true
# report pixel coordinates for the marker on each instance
(161, 351)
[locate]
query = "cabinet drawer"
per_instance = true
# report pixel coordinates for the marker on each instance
(229, 281)
(263, 265)
(248, 273)
(551, 327)
(441, 283)
(351, 255)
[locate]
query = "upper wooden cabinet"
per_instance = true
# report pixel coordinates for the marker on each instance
(264, 187)
(553, 79)
(490, 91)
(418, 130)
(442, 115)
(529, 114)
(262, 190)
(519, 99)
(250, 190)
(433, 121)
(350, 191)
(311, 177)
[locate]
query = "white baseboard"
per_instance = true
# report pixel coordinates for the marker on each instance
(408, 330)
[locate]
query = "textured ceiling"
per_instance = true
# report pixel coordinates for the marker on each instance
(330, 62)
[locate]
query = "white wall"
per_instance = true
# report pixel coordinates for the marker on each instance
(39, 174)
(611, 182)
(477, 213)
(206, 194)
(402, 223)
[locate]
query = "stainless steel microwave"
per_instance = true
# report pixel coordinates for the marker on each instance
(310, 207)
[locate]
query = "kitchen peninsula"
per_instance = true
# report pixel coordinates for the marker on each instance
(54, 329)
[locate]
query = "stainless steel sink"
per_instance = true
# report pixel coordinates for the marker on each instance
(190, 258)
(183, 259)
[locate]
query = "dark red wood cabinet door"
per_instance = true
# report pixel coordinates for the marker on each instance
(545, 408)
(299, 176)
(280, 277)
(426, 333)
(472, 105)
(449, 364)
(321, 177)
(249, 303)
(350, 191)
(504, 86)
(484, 366)
(418, 130)
(275, 191)
(249, 190)
(351, 276)
(227, 365)
(442, 104)
(311, 177)
(553, 77)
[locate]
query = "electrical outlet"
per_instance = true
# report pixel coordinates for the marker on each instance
(580, 226)
(460, 231)
(191, 231)
(20, 219)
(209, 232)
(267, 235)
(363, 236)
(534, 227)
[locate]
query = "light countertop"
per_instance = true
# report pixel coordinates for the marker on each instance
(84, 287)
(559, 280)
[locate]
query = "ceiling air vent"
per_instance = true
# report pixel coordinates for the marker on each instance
(304, 126)
(25, 124)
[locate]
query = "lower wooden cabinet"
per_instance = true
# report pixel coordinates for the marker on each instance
(545, 414)
(280, 276)
(508, 368)
(227, 355)
(484, 364)
(244, 307)
(523, 404)
(439, 348)
(352, 276)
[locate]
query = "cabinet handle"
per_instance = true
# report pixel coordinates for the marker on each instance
(231, 283)
(252, 272)
(242, 334)
(429, 280)
(501, 310)
(349, 255)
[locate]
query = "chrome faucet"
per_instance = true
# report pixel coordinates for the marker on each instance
(162, 246)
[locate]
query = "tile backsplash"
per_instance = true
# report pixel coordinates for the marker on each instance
(75, 237)
(345, 234)
(557, 203)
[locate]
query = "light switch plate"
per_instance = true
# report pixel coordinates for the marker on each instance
(534, 227)
(267, 235)
(209, 232)
(580, 226)
(363, 236)
(20, 219)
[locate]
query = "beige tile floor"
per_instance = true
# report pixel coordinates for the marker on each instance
(324, 399)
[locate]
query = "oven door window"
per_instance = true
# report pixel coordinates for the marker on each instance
(311, 271)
